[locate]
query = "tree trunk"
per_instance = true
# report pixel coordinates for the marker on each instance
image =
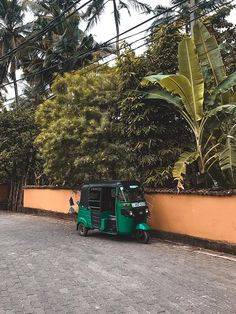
(13, 74)
(117, 28)
(192, 16)
(16, 195)
(14, 81)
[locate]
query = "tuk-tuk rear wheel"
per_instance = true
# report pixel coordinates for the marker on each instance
(142, 236)
(82, 229)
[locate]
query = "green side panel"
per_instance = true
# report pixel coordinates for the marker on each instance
(84, 216)
(124, 224)
(143, 226)
(85, 222)
(104, 215)
(103, 224)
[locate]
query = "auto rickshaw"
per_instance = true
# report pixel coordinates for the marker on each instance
(114, 207)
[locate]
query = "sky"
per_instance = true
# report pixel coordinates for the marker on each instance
(105, 29)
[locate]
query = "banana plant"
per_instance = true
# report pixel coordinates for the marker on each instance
(208, 52)
(185, 93)
(227, 158)
(211, 60)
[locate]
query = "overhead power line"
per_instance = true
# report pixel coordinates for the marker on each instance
(144, 44)
(149, 41)
(58, 21)
(202, 3)
(46, 29)
(91, 50)
(101, 46)
(148, 20)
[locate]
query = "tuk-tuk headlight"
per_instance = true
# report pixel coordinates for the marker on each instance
(147, 211)
(130, 213)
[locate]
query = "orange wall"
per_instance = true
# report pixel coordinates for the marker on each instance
(50, 199)
(4, 192)
(207, 217)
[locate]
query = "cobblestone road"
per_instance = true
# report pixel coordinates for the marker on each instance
(46, 267)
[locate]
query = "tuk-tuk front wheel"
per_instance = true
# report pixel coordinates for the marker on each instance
(82, 229)
(142, 236)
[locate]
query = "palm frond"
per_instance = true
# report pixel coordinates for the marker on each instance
(165, 16)
(140, 6)
(123, 5)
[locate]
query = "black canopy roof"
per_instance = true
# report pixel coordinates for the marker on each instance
(113, 183)
(102, 184)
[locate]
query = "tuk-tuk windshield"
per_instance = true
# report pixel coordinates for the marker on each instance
(133, 193)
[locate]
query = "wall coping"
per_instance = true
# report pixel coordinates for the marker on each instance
(48, 187)
(202, 192)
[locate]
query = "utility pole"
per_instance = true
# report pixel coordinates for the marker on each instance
(192, 4)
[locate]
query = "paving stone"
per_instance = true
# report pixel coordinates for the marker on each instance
(45, 267)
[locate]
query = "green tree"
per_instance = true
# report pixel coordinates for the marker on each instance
(161, 53)
(97, 8)
(18, 157)
(79, 138)
(12, 33)
(185, 93)
(182, 11)
(225, 34)
(151, 132)
(63, 49)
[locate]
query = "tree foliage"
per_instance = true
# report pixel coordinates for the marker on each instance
(64, 48)
(182, 11)
(151, 132)
(188, 86)
(96, 124)
(18, 156)
(97, 7)
(79, 138)
(12, 33)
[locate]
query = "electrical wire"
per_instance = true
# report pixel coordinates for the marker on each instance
(51, 24)
(171, 20)
(88, 52)
(179, 16)
(144, 44)
(85, 53)
(148, 20)
(94, 50)
(47, 28)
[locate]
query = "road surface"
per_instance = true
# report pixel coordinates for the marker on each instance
(46, 267)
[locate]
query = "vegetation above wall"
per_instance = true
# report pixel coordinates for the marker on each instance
(207, 104)
(79, 138)
(78, 120)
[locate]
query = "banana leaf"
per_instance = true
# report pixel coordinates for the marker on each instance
(189, 67)
(229, 108)
(208, 52)
(225, 86)
(179, 169)
(156, 93)
(155, 78)
(232, 97)
(227, 158)
(175, 84)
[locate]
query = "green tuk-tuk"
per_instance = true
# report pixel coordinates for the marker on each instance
(114, 207)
